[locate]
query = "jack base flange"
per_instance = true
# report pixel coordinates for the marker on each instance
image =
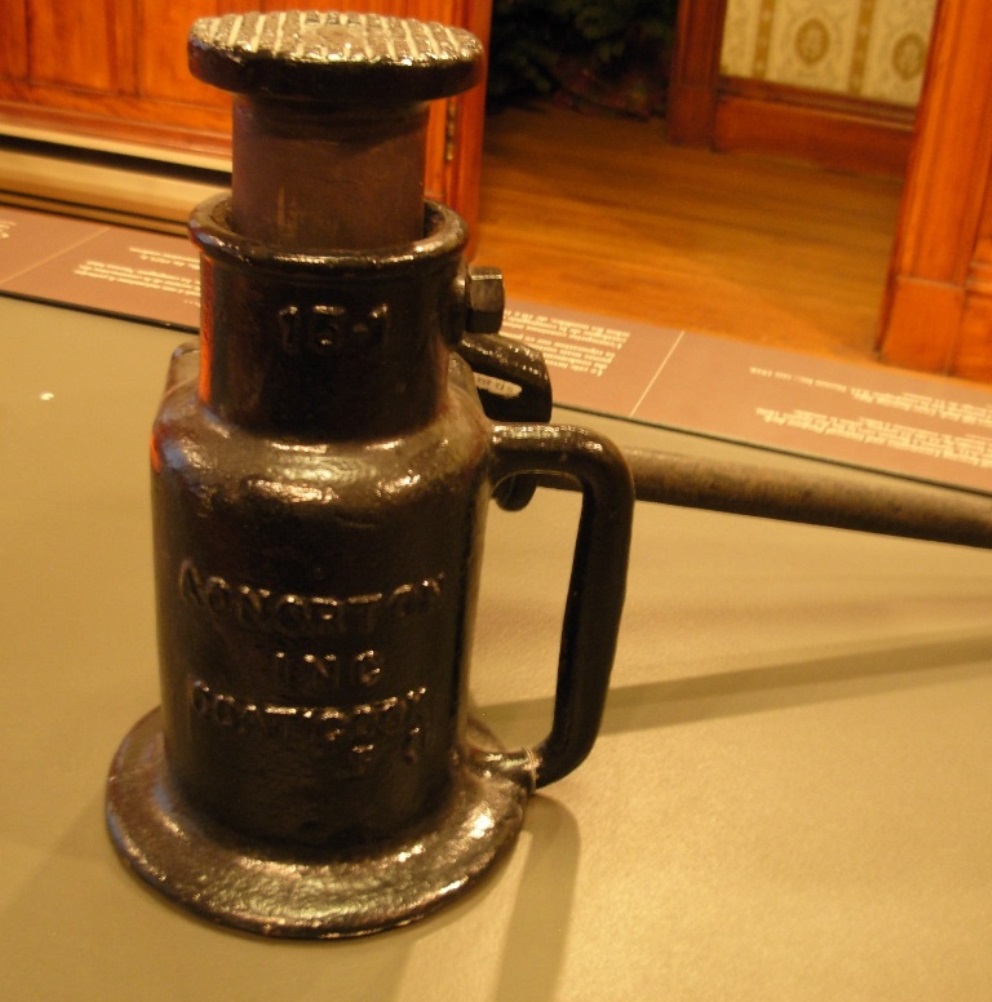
(264, 889)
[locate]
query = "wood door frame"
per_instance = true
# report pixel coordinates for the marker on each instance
(693, 87)
(732, 114)
(937, 313)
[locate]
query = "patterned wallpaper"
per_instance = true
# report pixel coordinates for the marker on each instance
(871, 48)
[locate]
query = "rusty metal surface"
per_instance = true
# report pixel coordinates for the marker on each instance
(330, 120)
(309, 177)
(877, 503)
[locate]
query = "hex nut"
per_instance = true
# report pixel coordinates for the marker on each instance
(484, 300)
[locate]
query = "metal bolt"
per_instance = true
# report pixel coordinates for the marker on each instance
(484, 300)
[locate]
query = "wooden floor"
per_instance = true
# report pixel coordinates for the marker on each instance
(600, 214)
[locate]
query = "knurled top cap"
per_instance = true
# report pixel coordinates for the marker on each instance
(336, 57)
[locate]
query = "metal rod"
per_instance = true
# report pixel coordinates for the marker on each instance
(886, 506)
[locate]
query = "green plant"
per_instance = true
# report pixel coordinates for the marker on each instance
(537, 44)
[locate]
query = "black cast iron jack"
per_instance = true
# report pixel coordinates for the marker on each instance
(321, 467)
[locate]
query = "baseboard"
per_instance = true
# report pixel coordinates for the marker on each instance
(833, 131)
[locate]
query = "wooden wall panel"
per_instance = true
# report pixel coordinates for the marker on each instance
(162, 31)
(13, 39)
(117, 69)
(463, 157)
(95, 47)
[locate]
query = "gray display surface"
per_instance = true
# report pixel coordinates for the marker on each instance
(790, 798)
